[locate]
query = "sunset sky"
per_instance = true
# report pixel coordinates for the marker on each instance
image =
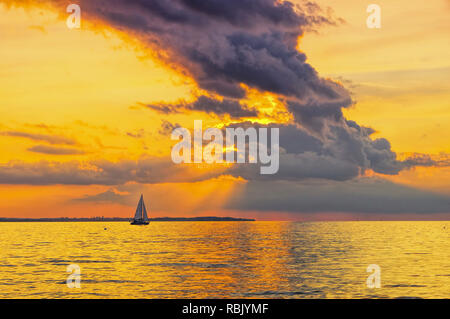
(86, 114)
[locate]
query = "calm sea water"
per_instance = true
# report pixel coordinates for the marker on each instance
(225, 259)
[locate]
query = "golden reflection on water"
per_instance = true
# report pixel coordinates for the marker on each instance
(225, 259)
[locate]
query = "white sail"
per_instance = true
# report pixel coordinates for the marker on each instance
(144, 212)
(138, 214)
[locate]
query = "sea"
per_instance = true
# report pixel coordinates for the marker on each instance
(261, 259)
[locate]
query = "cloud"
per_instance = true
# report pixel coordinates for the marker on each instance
(167, 127)
(224, 44)
(145, 171)
(239, 41)
(51, 139)
(110, 196)
(137, 134)
(419, 159)
(51, 150)
(344, 152)
(315, 115)
(231, 107)
(296, 165)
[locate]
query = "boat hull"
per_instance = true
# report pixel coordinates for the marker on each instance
(139, 222)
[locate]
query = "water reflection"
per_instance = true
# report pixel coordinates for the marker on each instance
(225, 259)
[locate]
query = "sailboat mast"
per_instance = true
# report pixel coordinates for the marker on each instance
(140, 217)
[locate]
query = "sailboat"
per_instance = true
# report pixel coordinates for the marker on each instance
(140, 217)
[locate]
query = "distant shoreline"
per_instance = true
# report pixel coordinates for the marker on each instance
(122, 219)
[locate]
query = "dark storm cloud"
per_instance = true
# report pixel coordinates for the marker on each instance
(231, 107)
(348, 143)
(295, 167)
(315, 115)
(344, 152)
(225, 43)
(244, 12)
(222, 44)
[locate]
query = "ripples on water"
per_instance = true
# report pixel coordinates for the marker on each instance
(225, 259)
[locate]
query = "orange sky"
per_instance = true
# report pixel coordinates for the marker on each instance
(84, 87)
